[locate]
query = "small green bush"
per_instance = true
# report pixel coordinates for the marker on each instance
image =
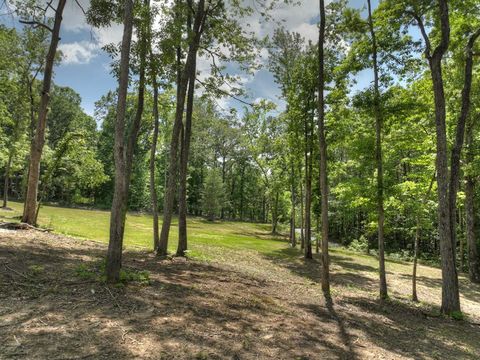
(457, 315)
(359, 245)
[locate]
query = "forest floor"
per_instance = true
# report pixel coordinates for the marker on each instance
(234, 304)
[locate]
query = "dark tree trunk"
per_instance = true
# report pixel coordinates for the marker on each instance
(177, 126)
(185, 149)
(242, 180)
(38, 142)
(323, 152)
(472, 247)
(275, 214)
(122, 153)
(459, 137)
(450, 293)
(379, 159)
(7, 177)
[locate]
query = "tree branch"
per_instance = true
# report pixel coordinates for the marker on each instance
(36, 24)
(210, 87)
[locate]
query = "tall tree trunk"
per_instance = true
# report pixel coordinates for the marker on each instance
(177, 126)
(36, 149)
(323, 152)
(275, 213)
(182, 213)
(242, 180)
(293, 235)
(459, 137)
(460, 240)
(302, 217)
(450, 294)
(308, 190)
(7, 177)
(379, 159)
(153, 151)
(472, 247)
(123, 152)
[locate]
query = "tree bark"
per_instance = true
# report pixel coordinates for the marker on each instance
(293, 235)
(120, 195)
(379, 159)
(450, 293)
(308, 190)
(178, 124)
(153, 151)
(472, 247)
(323, 153)
(459, 137)
(38, 142)
(7, 177)
(182, 213)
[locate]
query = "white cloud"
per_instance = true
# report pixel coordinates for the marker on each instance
(78, 52)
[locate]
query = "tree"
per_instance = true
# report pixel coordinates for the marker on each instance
(213, 194)
(323, 152)
(30, 206)
(379, 158)
(122, 152)
(450, 293)
(185, 74)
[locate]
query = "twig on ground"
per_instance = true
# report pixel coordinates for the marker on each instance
(114, 299)
(16, 272)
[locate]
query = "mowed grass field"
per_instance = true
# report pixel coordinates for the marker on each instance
(94, 225)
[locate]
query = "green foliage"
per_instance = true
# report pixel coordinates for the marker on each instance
(97, 273)
(213, 194)
(458, 315)
(359, 245)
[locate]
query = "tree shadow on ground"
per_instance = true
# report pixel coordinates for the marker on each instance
(406, 330)
(468, 289)
(189, 310)
(349, 276)
(393, 326)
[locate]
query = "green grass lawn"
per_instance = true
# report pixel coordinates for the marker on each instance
(94, 225)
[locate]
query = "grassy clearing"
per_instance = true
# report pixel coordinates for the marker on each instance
(244, 244)
(94, 225)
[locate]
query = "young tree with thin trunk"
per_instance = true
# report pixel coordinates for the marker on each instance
(416, 250)
(182, 87)
(153, 149)
(379, 157)
(30, 206)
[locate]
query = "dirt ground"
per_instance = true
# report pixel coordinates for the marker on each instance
(243, 306)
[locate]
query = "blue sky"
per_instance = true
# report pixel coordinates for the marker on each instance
(85, 67)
